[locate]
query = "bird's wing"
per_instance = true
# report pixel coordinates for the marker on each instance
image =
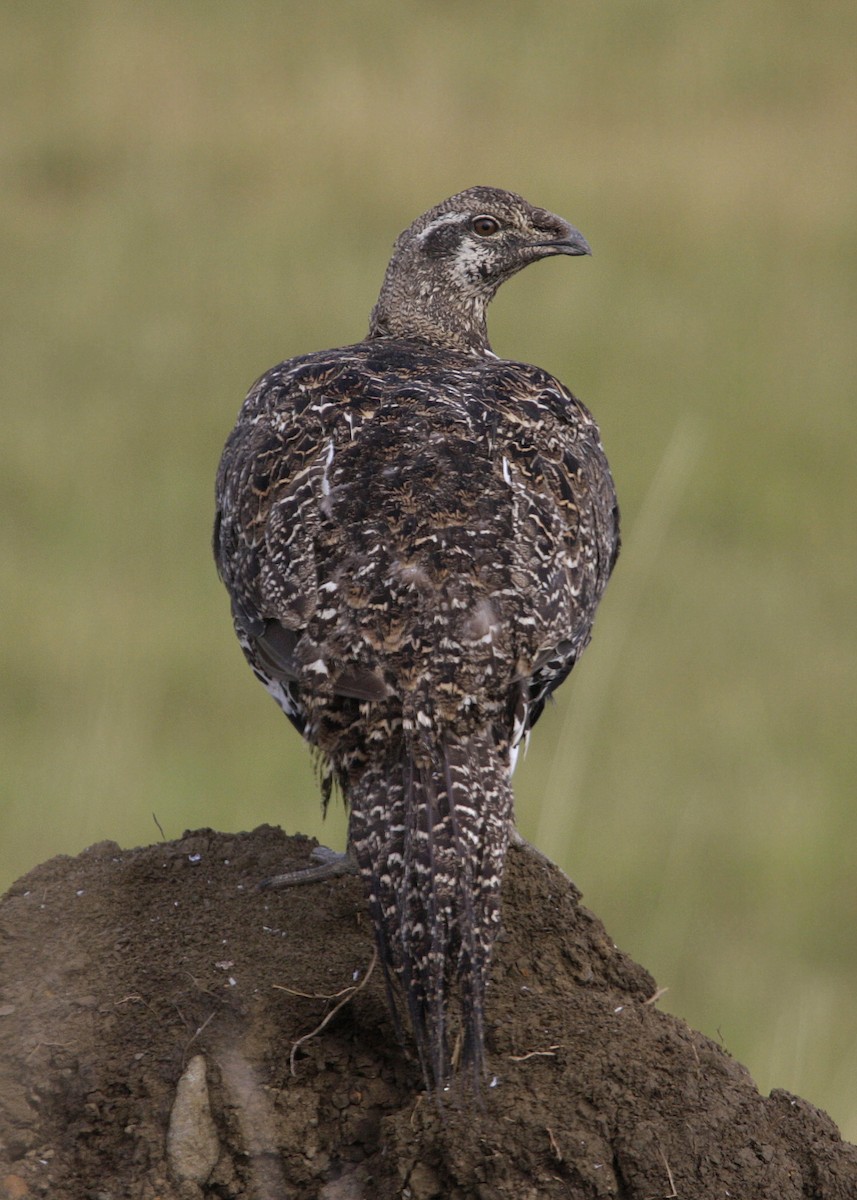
(272, 490)
(565, 525)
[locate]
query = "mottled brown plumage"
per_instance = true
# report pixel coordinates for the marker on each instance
(415, 535)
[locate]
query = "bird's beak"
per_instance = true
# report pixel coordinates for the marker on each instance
(572, 242)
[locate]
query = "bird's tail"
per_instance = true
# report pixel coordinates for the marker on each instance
(430, 827)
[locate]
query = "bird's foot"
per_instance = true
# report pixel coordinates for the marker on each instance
(329, 864)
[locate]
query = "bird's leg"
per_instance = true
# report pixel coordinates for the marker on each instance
(517, 839)
(330, 864)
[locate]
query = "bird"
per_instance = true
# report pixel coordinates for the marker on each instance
(415, 534)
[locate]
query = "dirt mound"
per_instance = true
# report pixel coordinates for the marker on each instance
(151, 1001)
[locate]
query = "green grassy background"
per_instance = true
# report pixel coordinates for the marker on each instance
(192, 192)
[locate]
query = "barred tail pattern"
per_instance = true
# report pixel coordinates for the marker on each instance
(430, 827)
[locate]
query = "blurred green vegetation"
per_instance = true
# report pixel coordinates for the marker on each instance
(192, 192)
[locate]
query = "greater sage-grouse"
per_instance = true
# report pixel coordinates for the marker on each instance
(415, 535)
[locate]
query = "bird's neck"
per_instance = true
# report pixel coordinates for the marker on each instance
(449, 317)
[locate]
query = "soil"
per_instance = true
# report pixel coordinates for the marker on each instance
(153, 1002)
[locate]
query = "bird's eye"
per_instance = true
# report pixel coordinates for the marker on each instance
(485, 226)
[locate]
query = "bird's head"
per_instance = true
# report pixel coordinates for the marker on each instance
(448, 264)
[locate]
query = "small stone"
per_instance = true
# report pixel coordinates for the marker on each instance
(193, 1147)
(13, 1187)
(351, 1185)
(424, 1183)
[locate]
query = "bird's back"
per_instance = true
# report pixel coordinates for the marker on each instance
(415, 540)
(424, 518)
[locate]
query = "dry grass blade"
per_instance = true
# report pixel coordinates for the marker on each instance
(351, 993)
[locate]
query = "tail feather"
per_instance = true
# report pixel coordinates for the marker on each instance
(429, 826)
